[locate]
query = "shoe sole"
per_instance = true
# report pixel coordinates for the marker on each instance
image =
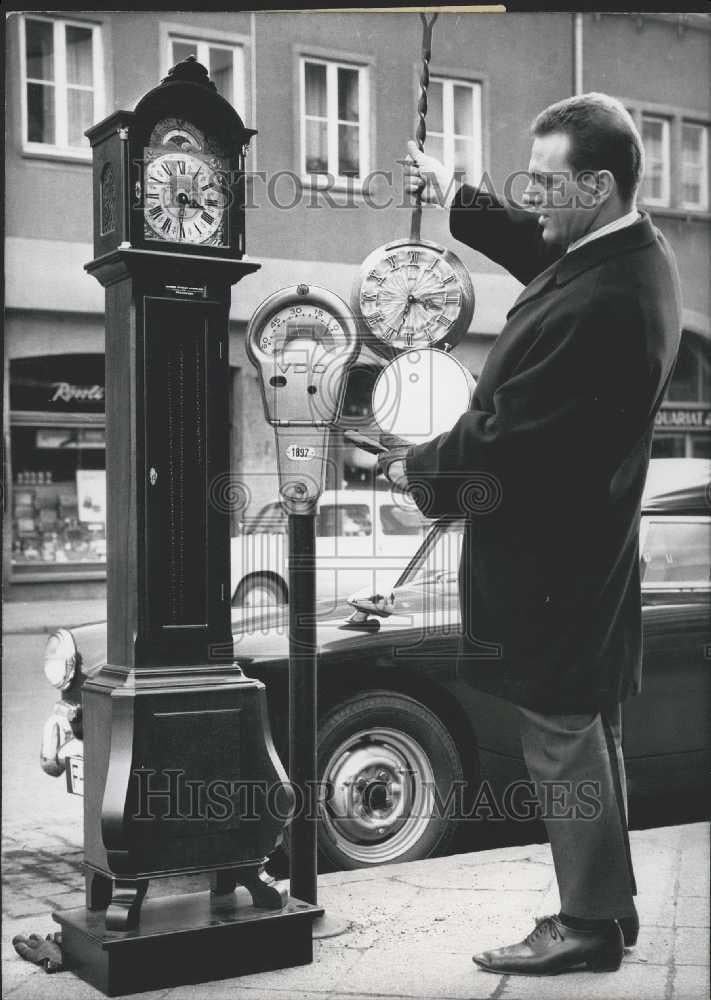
(592, 965)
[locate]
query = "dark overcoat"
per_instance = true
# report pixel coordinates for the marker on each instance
(549, 463)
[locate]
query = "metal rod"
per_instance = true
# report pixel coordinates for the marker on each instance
(302, 704)
(366, 443)
(421, 130)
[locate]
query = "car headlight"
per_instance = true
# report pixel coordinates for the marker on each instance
(60, 659)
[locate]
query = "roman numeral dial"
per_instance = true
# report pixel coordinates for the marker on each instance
(186, 199)
(412, 296)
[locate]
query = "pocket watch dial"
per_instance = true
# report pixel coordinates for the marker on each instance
(185, 200)
(411, 296)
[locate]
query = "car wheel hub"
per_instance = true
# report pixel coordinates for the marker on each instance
(381, 786)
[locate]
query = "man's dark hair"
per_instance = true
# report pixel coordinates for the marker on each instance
(602, 135)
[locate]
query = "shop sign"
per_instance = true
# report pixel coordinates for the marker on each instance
(683, 419)
(58, 383)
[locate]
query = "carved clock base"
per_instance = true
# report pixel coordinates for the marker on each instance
(122, 899)
(191, 938)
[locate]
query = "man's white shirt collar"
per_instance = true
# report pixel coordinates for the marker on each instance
(624, 220)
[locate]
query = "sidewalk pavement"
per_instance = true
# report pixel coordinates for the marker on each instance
(37, 617)
(412, 928)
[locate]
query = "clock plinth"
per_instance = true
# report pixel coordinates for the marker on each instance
(180, 772)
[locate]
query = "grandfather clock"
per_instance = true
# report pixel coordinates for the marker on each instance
(181, 776)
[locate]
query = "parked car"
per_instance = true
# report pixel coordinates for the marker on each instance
(364, 538)
(398, 730)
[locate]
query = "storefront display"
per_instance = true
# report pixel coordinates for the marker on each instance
(683, 424)
(58, 466)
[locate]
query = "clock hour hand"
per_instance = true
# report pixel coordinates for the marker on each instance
(182, 200)
(410, 300)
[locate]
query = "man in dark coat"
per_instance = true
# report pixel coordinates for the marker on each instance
(558, 437)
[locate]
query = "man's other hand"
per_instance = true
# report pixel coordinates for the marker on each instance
(425, 173)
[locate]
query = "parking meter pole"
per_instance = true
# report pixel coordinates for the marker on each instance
(302, 703)
(303, 340)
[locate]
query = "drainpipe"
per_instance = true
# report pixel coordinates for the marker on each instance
(577, 54)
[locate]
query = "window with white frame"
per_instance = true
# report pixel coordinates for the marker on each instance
(655, 136)
(454, 125)
(62, 84)
(223, 60)
(694, 166)
(334, 119)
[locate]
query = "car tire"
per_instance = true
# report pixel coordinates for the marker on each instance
(381, 755)
(260, 591)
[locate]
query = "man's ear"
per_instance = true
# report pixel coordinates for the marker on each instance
(606, 184)
(597, 186)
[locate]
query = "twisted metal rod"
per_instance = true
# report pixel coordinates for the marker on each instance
(421, 130)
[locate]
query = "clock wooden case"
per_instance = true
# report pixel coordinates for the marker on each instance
(170, 699)
(170, 175)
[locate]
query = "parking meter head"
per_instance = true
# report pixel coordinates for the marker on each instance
(302, 340)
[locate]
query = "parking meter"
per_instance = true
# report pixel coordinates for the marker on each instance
(302, 340)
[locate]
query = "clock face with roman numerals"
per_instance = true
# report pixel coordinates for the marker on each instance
(413, 295)
(185, 198)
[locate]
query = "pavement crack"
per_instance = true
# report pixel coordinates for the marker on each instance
(671, 969)
(501, 986)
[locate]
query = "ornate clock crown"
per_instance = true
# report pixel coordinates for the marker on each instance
(189, 70)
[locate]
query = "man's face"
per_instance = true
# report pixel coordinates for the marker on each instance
(565, 210)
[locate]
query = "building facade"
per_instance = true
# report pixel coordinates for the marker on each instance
(333, 98)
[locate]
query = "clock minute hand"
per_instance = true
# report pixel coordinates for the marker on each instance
(410, 300)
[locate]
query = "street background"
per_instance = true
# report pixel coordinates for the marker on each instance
(411, 929)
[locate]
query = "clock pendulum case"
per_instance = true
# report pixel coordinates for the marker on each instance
(411, 296)
(174, 732)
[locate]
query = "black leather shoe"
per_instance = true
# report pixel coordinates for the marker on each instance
(628, 925)
(551, 947)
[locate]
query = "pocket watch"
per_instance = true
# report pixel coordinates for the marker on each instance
(412, 294)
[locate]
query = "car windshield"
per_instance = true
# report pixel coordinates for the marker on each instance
(436, 562)
(397, 519)
(677, 551)
(344, 520)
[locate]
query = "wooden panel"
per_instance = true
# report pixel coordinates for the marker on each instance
(176, 349)
(124, 396)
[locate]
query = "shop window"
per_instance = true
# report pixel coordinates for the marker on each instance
(691, 381)
(59, 497)
(62, 84)
(454, 125)
(683, 424)
(334, 119)
(58, 459)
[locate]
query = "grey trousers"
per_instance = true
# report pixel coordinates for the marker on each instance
(576, 764)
